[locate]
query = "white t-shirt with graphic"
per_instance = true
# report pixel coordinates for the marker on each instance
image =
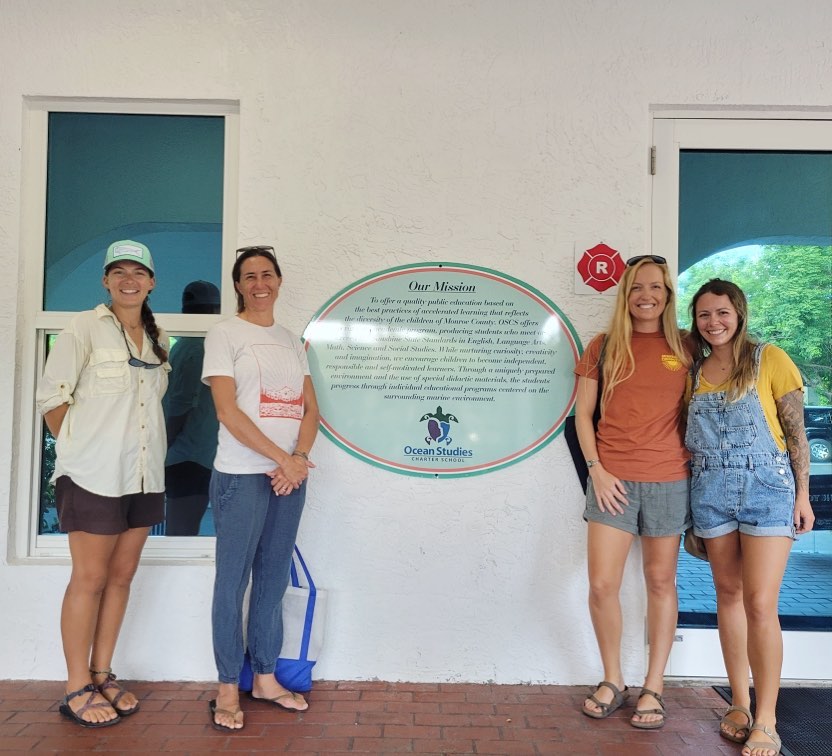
(268, 365)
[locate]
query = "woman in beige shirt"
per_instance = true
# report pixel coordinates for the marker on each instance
(101, 396)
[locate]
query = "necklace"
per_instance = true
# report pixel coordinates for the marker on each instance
(717, 365)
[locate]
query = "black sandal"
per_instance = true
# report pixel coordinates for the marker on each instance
(77, 716)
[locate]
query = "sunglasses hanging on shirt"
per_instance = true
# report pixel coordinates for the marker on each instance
(135, 361)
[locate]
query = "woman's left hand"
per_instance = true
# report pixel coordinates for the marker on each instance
(804, 517)
(281, 484)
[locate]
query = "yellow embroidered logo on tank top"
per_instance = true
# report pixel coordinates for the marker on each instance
(671, 362)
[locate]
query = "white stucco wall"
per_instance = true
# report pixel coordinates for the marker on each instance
(376, 134)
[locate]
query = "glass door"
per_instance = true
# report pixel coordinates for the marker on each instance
(751, 201)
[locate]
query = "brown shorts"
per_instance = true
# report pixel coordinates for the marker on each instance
(78, 509)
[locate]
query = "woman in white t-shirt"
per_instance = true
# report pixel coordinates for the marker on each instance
(265, 402)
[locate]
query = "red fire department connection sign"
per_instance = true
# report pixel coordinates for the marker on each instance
(601, 267)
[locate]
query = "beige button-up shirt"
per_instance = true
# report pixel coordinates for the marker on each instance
(112, 441)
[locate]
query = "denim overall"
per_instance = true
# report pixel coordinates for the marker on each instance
(740, 479)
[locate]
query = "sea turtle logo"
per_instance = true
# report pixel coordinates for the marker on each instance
(439, 426)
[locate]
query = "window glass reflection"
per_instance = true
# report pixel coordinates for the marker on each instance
(157, 179)
(191, 424)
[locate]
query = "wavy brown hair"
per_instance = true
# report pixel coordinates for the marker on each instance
(743, 375)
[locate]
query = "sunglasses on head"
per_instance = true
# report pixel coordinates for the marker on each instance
(265, 249)
(658, 259)
(135, 361)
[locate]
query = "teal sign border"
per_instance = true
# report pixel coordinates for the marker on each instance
(444, 268)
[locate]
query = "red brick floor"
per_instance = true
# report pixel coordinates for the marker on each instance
(366, 717)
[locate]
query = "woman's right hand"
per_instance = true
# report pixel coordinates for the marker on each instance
(609, 490)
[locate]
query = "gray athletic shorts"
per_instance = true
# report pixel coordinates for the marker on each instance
(655, 509)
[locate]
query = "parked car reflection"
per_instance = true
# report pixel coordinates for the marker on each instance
(819, 431)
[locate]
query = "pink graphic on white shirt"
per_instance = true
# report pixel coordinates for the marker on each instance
(281, 382)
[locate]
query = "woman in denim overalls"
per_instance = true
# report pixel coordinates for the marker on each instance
(749, 496)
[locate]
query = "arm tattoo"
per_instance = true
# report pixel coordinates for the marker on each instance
(790, 413)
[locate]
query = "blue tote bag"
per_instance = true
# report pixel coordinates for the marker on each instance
(304, 610)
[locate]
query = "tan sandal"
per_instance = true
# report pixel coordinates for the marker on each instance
(656, 723)
(752, 744)
(618, 699)
(736, 737)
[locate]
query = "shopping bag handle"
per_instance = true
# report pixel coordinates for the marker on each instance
(310, 604)
(293, 570)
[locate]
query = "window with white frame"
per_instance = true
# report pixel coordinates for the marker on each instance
(163, 173)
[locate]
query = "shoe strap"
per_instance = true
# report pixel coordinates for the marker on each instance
(91, 689)
(767, 730)
(745, 712)
(657, 696)
(88, 704)
(615, 691)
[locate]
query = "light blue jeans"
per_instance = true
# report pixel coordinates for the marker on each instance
(256, 532)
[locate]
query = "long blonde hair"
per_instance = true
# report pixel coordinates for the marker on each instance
(743, 375)
(619, 363)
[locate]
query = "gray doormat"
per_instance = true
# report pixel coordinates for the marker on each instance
(804, 719)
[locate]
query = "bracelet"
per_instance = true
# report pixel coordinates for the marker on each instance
(300, 454)
(591, 462)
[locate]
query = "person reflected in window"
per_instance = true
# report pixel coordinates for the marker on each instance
(268, 414)
(749, 496)
(638, 476)
(191, 422)
(101, 398)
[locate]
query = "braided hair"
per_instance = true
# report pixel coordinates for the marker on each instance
(149, 324)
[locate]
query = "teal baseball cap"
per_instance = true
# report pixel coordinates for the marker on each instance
(128, 249)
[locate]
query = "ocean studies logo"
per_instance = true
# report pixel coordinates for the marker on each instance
(438, 439)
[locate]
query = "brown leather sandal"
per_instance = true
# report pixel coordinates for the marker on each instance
(656, 723)
(618, 699)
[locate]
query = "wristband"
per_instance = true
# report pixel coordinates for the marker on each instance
(300, 454)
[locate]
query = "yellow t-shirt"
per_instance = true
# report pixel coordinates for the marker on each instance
(778, 377)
